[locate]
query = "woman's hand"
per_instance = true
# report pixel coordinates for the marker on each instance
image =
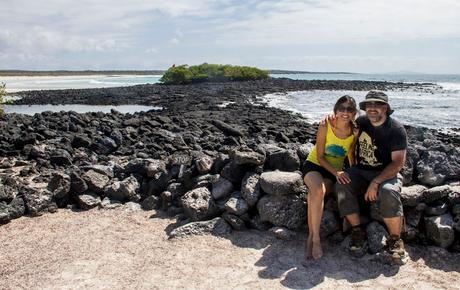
(342, 177)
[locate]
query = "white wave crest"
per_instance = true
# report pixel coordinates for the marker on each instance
(450, 86)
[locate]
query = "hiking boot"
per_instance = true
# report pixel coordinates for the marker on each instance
(395, 250)
(358, 238)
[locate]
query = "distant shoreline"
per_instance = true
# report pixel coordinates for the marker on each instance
(14, 73)
(293, 72)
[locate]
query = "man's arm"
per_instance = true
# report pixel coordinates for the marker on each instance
(390, 171)
(351, 154)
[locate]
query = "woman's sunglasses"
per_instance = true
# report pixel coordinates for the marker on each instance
(346, 109)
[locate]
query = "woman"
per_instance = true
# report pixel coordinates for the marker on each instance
(324, 165)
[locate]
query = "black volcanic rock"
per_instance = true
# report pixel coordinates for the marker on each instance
(436, 166)
(59, 185)
(11, 210)
(61, 157)
(172, 95)
(95, 180)
(199, 205)
(77, 184)
(227, 129)
(174, 157)
(284, 160)
(282, 211)
(38, 201)
(7, 193)
(81, 141)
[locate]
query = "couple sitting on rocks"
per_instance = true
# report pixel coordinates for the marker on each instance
(375, 145)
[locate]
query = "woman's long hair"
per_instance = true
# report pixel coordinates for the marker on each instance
(351, 101)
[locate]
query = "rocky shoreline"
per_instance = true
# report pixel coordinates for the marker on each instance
(215, 156)
(204, 94)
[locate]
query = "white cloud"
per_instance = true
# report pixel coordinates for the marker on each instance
(104, 25)
(329, 21)
(40, 39)
(95, 33)
(151, 50)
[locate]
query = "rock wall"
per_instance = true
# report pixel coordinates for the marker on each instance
(217, 168)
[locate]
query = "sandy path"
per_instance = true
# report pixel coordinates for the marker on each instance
(119, 249)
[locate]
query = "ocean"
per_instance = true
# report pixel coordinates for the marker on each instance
(27, 83)
(437, 108)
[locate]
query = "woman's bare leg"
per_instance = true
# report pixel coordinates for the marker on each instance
(309, 244)
(316, 192)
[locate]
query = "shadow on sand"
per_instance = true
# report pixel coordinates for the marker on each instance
(285, 260)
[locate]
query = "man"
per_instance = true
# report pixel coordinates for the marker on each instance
(380, 153)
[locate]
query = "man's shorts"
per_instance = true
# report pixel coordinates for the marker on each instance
(350, 197)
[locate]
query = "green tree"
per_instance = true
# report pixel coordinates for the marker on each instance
(177, 75)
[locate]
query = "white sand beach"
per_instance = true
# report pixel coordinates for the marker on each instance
(120, 249)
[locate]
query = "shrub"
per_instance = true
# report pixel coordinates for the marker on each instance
(177, 74)
(205, 72)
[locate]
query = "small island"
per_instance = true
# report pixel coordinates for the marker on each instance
(184, 74)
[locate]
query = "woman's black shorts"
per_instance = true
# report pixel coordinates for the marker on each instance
(310, 166)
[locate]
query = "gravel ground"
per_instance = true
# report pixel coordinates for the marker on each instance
(122, 249)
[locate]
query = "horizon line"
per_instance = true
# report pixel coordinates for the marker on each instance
(27, 72)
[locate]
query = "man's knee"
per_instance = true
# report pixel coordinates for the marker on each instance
(389, 200)
(346, 200)
(389, 188)
(343, 190)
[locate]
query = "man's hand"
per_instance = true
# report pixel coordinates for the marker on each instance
(342, 177)
(372, 192)
(330, 118)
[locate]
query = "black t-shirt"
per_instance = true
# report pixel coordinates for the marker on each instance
(375, 144)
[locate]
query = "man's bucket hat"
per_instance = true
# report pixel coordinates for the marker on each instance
(375, 96)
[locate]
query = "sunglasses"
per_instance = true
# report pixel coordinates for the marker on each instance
(375, 105)
(346, 109)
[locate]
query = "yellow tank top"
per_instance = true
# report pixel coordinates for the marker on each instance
(335, 151)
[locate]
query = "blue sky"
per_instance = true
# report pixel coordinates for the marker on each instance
(340, 35)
